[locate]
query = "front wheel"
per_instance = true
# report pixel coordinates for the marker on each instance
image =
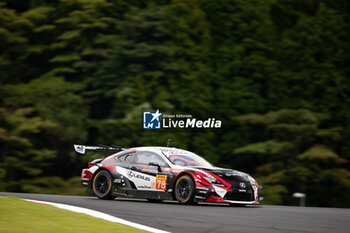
(102, 185)
(184, 190)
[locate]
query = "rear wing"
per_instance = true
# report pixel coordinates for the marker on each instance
(82, 149)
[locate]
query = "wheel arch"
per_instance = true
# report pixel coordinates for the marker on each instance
(96, 172)
(191, 173)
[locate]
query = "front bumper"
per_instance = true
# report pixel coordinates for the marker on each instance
(220, 195)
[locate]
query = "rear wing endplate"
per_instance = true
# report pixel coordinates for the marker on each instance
(82, 149)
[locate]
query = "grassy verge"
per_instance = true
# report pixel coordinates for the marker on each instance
(17, 215)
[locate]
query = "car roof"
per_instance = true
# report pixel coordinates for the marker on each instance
(162, 150)
(151, 148)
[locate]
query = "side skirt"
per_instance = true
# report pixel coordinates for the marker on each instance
(156, 195)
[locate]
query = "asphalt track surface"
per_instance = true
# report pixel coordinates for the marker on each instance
(170, 216)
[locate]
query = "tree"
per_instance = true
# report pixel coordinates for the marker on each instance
(299, 156)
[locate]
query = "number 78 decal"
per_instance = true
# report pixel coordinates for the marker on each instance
(161, 182)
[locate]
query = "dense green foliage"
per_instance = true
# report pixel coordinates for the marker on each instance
(275, 72)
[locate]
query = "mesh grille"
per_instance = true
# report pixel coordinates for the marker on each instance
(239, 196)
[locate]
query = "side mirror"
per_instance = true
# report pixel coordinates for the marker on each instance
(155, 165)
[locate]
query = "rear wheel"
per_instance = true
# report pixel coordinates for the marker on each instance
(102, 185)
(184, 189)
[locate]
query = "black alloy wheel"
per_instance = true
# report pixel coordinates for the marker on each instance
(185, 189)
(102, 185)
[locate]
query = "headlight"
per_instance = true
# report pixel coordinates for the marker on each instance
(252, 181)
(212, 180)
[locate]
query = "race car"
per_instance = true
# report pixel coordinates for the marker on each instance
(164, 173)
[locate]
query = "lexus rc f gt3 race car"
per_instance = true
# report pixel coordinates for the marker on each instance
(164, 173)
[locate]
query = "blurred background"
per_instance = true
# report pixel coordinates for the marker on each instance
(275, 72)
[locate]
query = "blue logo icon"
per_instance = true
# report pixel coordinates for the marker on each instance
(151, 120)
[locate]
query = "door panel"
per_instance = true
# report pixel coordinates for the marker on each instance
(141, 180)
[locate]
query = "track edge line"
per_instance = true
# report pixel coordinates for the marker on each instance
(98, 214)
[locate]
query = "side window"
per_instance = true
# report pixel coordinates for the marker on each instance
(127, 158)
(145, 157)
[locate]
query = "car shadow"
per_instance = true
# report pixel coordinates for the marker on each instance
(201, 204)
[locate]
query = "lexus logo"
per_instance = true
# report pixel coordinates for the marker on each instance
(242, 185)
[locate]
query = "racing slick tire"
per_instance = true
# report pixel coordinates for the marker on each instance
(185, 190)
(102, 185)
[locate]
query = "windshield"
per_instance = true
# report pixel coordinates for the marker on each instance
(186, 158)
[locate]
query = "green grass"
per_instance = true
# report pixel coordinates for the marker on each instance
(17, 215)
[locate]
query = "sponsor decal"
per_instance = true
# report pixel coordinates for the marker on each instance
(132, 174)
(230, 174)
(235, 173)
(152, 120)
(80, 149)
(161, 182)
